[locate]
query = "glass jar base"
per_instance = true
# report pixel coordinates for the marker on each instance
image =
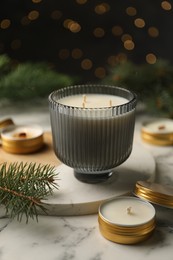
(92, 178)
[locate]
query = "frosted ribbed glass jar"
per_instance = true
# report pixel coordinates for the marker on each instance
(94, 132)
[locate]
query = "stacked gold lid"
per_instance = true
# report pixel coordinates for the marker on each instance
(4, 123)
(158, 132)
(155, 193)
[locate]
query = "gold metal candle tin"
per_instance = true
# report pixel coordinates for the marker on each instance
(155, 193)
(126, 220)
(158, 132)
(22, 139)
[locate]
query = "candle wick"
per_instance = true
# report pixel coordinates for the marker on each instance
(129, 210)
(84, 98)
(161, 127)
(110, 103)
(84, 101)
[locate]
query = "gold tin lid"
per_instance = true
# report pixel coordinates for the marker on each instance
(4, 123)
(158, 132)
(22, 139)
(155, 193)
(126, 220)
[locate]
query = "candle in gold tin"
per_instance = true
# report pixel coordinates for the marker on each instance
(158, 132)
(22, 139)
(126, 220)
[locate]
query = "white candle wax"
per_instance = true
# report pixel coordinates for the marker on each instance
(22, 132)
(22, 139)
(162, 126)
(92, 133)
(92, 100)
(127, 211)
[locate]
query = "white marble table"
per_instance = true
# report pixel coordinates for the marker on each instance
(78, 237)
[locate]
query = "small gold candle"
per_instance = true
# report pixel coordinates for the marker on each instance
(126, 220)
(22, 139)
(158, 132)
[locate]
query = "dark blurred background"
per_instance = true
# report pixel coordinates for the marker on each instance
(86, 37)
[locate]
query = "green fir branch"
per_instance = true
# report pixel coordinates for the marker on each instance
(29, 80)
(23, 186)
(153, 83)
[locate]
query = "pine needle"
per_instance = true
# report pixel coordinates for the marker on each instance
(23, 186)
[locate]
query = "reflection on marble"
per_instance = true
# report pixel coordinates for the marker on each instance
(78, 237)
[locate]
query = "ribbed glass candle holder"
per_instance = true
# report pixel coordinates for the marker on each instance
(92, 140)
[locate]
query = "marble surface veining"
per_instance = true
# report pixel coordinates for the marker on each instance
(78, 237)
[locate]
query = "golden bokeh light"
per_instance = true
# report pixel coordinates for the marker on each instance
(64, 54)
(36, 1)
(16, 44)
(75, 27)
(117, 30)
(129, 45)
(131, 11)
(102, 8)
(25, 21)
(56, 15)
(86, 64)
(166, 5)
(139, 22)
(153, 32)
(93, 33)
(66, 23)
(76, 53)
(100, 72)
(121, 57)
(151, 58)
(72, 25)
(5, 24)
(33, 15)
(99, 32)
(126, 37)
(112, 60)
(81, 2)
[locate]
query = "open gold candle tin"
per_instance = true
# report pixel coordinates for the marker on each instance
(155, 193)
(126, 233)
(22, 139)
(158, 132)
(147, 192)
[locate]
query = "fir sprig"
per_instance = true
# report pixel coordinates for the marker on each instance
(23, 186)
(153, 83)
(30, 80)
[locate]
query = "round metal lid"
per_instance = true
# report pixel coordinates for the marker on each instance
(155, 193)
